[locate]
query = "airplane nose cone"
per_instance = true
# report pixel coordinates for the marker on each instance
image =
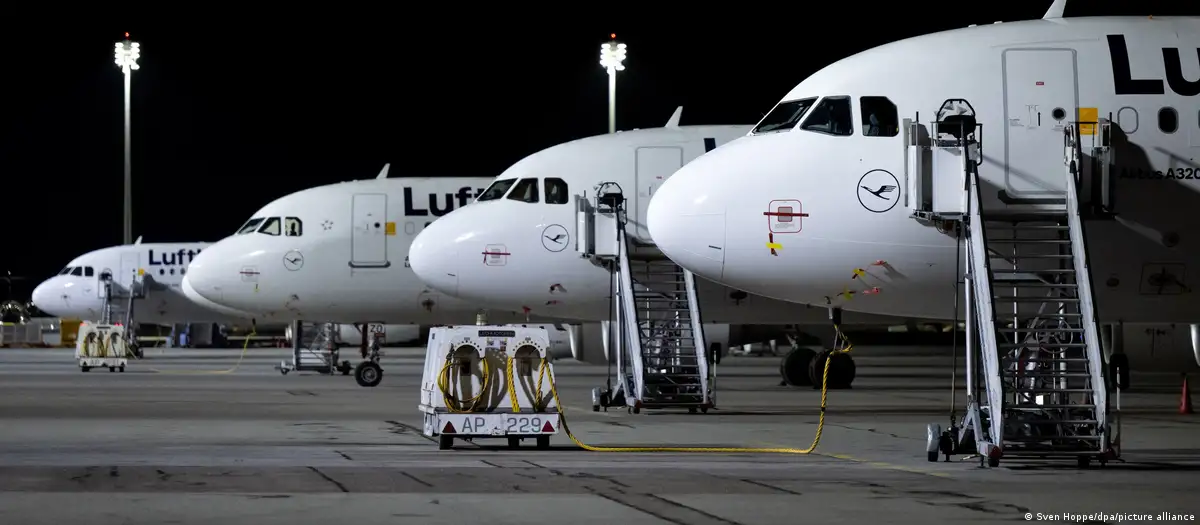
(202, 282)
(434, 256)
(45, 297)
(686, 219)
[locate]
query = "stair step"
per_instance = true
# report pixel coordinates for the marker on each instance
(1030, 299)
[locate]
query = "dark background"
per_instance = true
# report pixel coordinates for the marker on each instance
(232, 110)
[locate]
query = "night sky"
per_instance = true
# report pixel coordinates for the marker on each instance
(228, 116)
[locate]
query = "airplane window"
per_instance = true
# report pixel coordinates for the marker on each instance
(65, 270)
(556, 191)
(293, 226)
(525, 191)
(77, 271)
(250, 226)
(879, 117)
(832, 116)
(88, 271)
(496, 190)
(784, 116)
(1168, 120)
(271, 227)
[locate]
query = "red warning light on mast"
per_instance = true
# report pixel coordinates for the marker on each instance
(127, 35)
(613, 36)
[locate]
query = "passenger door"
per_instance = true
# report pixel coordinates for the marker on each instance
(130, 263)
(1040, 100)
(654, 165)
(368, 241)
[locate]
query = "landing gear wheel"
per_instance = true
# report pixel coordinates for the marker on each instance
(368, 374)
(345, 368)
(1118, 364)
(514, 442)
(794, 367)
(543, 442)
(841, 370)
(445, 442)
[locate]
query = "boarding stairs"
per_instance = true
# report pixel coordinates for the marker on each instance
(655, 326)
(119, 299)
(1035, 372)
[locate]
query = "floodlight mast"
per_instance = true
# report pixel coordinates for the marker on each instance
(126, 54)
(612, 56)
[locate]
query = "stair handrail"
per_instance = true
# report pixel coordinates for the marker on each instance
(698, 341)
(1083, 284)
(982, 297)
(632, 331)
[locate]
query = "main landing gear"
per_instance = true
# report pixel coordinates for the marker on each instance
(804, 367)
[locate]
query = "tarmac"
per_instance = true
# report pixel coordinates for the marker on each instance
(206, 436)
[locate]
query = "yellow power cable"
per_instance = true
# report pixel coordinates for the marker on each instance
(466, 405)
(841, 337)
(230, 370)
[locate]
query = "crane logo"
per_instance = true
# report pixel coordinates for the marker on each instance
(878, 191)
(555, 237)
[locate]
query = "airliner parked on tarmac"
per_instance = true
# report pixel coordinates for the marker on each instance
(832, 178)
(78, 291)
(338, 253)
(528, 218)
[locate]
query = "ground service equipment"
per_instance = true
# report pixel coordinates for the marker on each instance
(101, 345)
(488, 381)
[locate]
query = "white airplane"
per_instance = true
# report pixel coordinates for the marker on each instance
(79, 290)
(516, 246)
(338, 253)
(818, 185)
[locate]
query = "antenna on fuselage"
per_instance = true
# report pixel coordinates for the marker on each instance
(139, 240)
(673, 122)
(1056, 10)
(383, 173)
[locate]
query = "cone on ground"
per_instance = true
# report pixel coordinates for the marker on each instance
(1185, 398)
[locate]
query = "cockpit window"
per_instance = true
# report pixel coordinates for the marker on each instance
(525, 191)
(832, 117)
(784, 116)
(556, 191)
(88, 271)
(293, 227)
(271, 227)
(77, 271)
(66, 270)
(250, 226)
(879, 117)
(496, 190)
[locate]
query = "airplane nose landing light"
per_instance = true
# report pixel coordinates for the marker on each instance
(686, 219)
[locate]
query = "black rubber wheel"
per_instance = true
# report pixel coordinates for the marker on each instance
(121, 368)
(543, 442)
(86, 368)
(368, 374)
(932, 456)
(445, 442)
(637, 410)
(794, 367)
(112, 369)
(993, 461)
(1118, 365)
(841, 370)
(514, 442)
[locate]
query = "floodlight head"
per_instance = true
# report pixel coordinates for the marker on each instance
(126, 54)
(612, 54)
